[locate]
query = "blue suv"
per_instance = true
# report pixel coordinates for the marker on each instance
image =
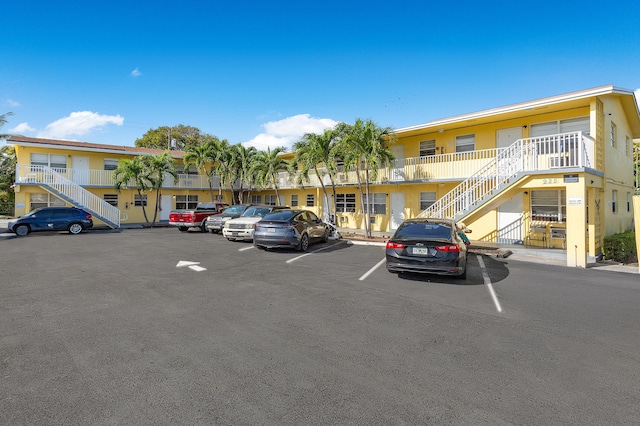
(71, 219)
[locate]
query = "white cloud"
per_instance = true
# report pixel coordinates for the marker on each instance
(136, 73)
(22, 128)
(12, 103)
(289, 130)
(78, 124)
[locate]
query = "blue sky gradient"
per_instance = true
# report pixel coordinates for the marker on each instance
(265, 72)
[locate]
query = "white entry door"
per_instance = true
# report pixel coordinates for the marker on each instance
(166, 205)
(504, 138)
(510, 221)
(80, 170)
(397, 210)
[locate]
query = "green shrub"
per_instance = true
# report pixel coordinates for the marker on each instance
(620, 247)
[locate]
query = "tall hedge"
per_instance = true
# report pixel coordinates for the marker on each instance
(620, 247)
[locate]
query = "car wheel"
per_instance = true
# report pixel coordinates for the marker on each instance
(183, 228)
(75, 228)
(259, 247)
(213, 231)
(22, 230)
(303, 245)
(203, 227)
(325, 236)
(463, 275)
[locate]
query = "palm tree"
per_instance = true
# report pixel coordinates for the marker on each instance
(203, 158)
(159, 166)
(267, 165)
(244, 158)
(8, 162)
(137, 172)
(363, 147)
(224, 167)
(3, 121)
(311, 153)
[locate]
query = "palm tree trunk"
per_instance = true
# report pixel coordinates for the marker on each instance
(362, 200)
(211, 187)
(324, 189)
(155, 212)
(144, 210)
(368, 223)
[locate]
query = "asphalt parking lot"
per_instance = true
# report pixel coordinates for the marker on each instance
(154, 326)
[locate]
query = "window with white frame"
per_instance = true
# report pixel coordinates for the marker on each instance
(311, 200)
(548, 205)
(294, 200)
(613, 134)
(427, 199)
(110, 164)
(256, 199)
(140, 200)
(270, 200)
(190, 171)
(37, 201)
(345, 203)
(377, 203)
(111, 199)
(465, 143)
(628, 202)
(55, 161)
(427, 148)
(614, 201)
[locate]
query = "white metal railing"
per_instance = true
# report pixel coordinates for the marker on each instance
(50, 178)
(525, 155)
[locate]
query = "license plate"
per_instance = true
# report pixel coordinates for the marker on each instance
(271, 229)
(234, 234)
(420, 250)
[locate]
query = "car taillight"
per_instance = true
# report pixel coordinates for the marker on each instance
(449, 249)
(88, 216)
(392, 245)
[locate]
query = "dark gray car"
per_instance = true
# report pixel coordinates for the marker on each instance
(215, 223)
(290, 228)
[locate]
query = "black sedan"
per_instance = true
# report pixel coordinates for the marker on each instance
(430, 246)
(290, 228)
(71, 219)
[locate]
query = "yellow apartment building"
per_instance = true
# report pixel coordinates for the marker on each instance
(555, 172)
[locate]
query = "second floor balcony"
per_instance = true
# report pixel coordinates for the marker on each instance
(545, 153)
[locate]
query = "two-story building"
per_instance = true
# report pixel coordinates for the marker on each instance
(554, 172)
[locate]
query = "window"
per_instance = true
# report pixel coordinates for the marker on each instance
(427, 148)
(256, 199)
(294, 200)
(580, 124)
(345, 203)
(37, 201)
(139, 200)
(614, 201)
(628, 202)
(50, 160)
(465, 143)
(548, 206)
(111, 199)
(270, 200)
(377, 203)
(310, 200)
(427, 199)
(627, 146)
(110, 164)
(613, 134)
(190, 171)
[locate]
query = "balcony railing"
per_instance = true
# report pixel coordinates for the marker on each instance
(543, 153)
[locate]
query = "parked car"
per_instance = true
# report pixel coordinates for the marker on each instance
(241, 228)
(215, 223)
(290, 228)
(71, 219)
(430, 246)
(195, 218)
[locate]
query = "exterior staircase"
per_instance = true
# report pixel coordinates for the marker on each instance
(72, 193)
(510, 165)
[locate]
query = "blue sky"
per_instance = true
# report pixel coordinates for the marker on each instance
(266, 72)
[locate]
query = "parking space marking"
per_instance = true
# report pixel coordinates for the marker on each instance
(245, 248)
(487, 282)
(311, 252)
(370, 271)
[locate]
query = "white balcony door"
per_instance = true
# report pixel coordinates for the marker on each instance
(397, 210)
(80, 170)
(397, 165)
(504, 139)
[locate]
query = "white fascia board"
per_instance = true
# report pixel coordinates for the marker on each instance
(84, 149)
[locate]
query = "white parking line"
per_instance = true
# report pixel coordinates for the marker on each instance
(245, 248)
(370, 271)
(487, 281)
(311, 252)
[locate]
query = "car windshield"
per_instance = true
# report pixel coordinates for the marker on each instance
(234, 209)
(423, 230)
(256, 211)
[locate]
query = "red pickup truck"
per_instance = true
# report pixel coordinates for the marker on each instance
(185, 219)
